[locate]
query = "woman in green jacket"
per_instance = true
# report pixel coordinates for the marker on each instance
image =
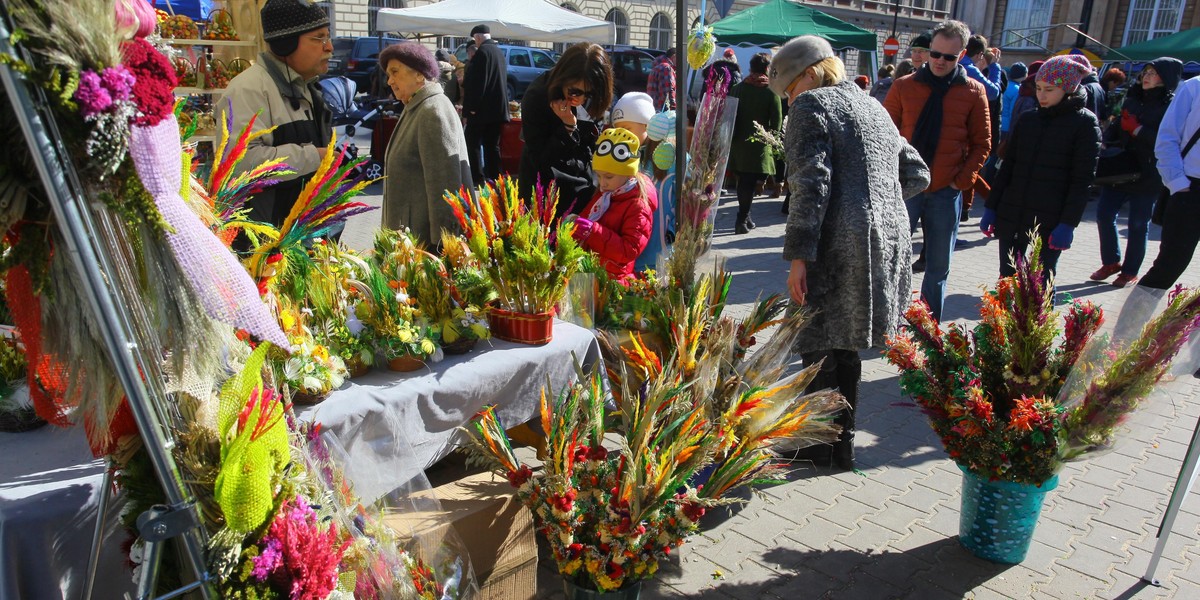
(752, 160)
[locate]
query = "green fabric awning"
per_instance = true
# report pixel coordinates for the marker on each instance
(777, 21)
(1184, 45)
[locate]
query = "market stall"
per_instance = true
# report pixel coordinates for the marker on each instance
(394, 425)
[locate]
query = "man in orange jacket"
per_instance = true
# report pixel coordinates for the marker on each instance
(944, 115)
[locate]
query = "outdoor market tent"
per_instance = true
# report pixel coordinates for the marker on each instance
(1184, 45)
(777, 21)
(513, 19)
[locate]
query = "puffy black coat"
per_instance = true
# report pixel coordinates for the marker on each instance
(1148, 106)
(485, 86)
(552, 152)
(1048, 167)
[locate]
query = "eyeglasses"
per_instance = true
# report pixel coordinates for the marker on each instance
(935, 55)
(321, 39)
(575, 92)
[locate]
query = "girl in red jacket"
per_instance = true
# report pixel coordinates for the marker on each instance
(616, 224)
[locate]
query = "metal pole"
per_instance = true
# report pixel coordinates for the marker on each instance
(98, 535)
(681, 96)
(78, 229)
(1183, 486)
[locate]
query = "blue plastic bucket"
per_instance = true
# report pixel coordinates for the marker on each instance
(998, 517)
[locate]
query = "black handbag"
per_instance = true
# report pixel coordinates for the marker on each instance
(1117, 166)
(1164, 195)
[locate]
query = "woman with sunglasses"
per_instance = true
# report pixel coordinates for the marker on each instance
(560, 122)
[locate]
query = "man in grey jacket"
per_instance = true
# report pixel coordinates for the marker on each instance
(281, 87)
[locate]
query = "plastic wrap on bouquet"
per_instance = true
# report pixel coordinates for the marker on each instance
(218, 279)
(711, 139)
(1151, 341)
(578, 305)
(403, 545)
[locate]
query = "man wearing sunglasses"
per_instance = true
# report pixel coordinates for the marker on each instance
(944, 115)
(281, 88)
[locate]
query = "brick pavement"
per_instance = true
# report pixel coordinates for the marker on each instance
(889, 530)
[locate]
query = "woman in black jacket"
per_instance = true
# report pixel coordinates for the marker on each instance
(1136, 130)
(1048, 167)
(558, 139)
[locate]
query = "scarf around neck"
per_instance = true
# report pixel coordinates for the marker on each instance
(601, 205)
(928, 129)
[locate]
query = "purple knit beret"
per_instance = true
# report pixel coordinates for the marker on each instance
(1065, 71)
(412, 54)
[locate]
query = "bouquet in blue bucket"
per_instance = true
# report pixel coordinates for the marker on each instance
(1027, 390)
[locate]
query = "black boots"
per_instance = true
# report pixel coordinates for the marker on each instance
(744, 225)
(841, 371)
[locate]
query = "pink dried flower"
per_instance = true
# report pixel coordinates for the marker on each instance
(307, 568)
(118, 81)
(270, 559)
(93, 99)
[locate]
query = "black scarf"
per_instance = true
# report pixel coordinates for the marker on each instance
(929, 125)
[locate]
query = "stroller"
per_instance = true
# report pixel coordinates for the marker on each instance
(339, 98)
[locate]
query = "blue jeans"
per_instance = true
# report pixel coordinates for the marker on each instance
(938, 210)
(1140, 208)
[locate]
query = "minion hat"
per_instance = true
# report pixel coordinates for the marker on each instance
(617, 152)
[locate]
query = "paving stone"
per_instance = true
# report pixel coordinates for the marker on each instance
(1073, 585)
(1018, 583)
(1141, 499)
(804, 582)
(817, 532)
(866, 587)
(897, 517)
(1093, 561)
(838, 561)
(847, 512)
(749, 581)
(870, 537)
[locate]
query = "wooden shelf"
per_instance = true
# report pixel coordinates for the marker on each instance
(188, 91)
(193, 42)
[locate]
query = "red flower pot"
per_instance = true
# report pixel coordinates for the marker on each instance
(405, 363)
(522, 328)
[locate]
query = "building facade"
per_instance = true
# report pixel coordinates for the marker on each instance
(1025, 30)
(1034, 29)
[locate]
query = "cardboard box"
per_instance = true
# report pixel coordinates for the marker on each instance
(495, 527)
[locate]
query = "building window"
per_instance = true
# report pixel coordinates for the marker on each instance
(918, 3)
(1026, 23)
(561, 47)
(939, 5)
(660, 32)
(1149, 19)
(618, 18)
(373, 7)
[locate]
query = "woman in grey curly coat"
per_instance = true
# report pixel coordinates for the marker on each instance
(847, 236)
(427, 154)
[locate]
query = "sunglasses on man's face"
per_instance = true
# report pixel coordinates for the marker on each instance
(935, 55)
(575, 92)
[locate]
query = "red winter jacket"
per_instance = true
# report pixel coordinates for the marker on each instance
(624, 229)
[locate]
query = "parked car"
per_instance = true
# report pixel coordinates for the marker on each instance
(358, 58)
(524, 65)
(631, 69)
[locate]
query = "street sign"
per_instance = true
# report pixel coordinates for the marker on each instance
(891, 47)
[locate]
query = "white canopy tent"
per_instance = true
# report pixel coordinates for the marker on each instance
(514, 19)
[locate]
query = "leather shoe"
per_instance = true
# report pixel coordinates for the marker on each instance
(750, 223)
(1105, 272)
(919, 266)
(843, 453)
(1123, 280)
(740, 228)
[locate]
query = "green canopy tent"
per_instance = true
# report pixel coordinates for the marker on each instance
(777, 21)
(1184, 45)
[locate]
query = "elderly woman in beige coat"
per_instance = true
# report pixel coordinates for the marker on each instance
(428, 153)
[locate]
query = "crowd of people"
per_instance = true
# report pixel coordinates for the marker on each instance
(945, 126)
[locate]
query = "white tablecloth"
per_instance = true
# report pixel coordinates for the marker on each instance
(394, 425)
(49, 491)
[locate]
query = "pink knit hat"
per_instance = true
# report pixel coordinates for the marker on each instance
(1065, 71)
